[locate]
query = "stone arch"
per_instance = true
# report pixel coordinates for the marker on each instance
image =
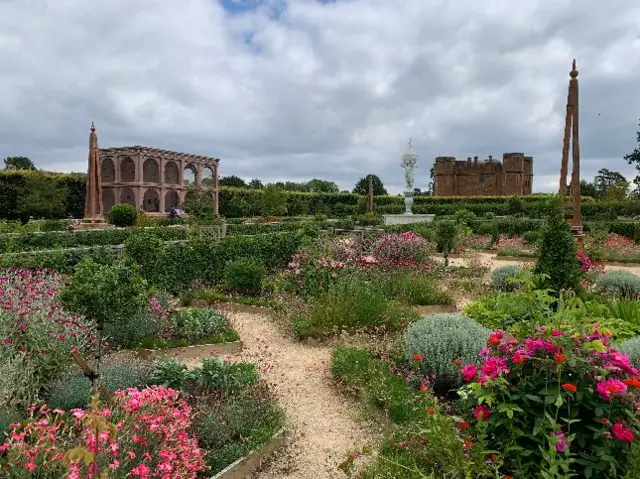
(150, 171)
(207, 176)
(151, 201)
(171, 200)
(108, 171)
(190, 175)
(127, 195)
(108, 199)
(190, 195)
(127, 170)
(171, 173)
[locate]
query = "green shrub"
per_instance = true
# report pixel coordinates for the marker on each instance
(359, 372)
(106, 294)
(435, 342)
(244, 276)
(228, 376)
(200, 324)
(503, 278)
(619, 283)
(350, 305)
(557, 258)
(531, 237)
(145, 248)
(446, 233)
(122, 215)
(172, 373)
(412, 289)
(134, 332)
(74, 390)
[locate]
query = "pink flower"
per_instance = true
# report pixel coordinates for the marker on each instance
(469, 372)
(494, 367)
(611, 387)
(622, 433)
(496, 337)
(562, 444)
(481, 412)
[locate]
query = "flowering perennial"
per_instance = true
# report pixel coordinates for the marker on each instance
(142, 434)
(555, 389)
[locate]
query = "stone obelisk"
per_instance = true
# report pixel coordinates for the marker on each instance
(93, 195)
(572, 138)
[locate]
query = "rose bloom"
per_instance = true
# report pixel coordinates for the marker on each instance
(610, 387)
(481, 412)
(622, 433)
(572, 388)
(469, 372)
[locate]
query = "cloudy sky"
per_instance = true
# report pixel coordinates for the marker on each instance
(295, 89)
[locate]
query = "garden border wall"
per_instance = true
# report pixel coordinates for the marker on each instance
(192, 352)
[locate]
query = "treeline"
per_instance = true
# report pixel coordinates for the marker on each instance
(37, 194)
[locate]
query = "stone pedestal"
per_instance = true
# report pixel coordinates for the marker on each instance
(406, 219)
(408, 203)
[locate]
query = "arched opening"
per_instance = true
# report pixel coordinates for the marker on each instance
(127, 170)
(171, 173)
(150, 171)
(108, 200)
(151, 201)
(128, 196)
(171, 200)
(191, 196)
(108, 171)
(207, 177)
(189, 175)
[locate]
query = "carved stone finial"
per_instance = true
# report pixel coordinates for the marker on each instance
(409, 142)
(93, 127)
(574, 72)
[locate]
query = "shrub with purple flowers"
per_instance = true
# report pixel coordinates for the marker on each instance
(561, 402)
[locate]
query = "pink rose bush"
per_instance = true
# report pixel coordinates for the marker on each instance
(140, 434)
(402, 249)
(554, 397)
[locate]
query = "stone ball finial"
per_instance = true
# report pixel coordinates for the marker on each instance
(93, 127)
(574, 72)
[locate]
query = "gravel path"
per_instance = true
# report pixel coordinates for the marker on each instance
(326, 425)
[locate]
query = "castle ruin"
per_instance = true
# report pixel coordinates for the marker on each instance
(490, 177)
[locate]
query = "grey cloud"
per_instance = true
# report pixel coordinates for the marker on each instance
(315, 89)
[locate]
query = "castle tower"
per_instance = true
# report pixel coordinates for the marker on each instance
(513, 167)
(445, 176)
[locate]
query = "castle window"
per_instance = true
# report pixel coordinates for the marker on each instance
(481, 181)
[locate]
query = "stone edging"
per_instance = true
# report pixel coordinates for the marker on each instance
(247, 465)
(191, 352)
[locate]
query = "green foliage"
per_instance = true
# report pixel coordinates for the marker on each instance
(43, 199)
(351, 304)
(411, 288)
(505, 278)
(446, 233)
(362, 186)
(227, 376)
(552, 401)
(74, 389)
(557, 258)
(134, 331)
(432, 345)
(633, 158)
(273, 202)
(199, 203)
(244, 276)
(170, 372)
(232, 181)
(105, 293)
(29, 241)
(619, 283)
(18, 163)
(464, 216)
(200, 324)
(361, 373)
(122, 215)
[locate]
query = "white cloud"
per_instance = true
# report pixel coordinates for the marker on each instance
(301, 89)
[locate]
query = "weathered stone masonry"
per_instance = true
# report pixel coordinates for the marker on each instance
(154, 180)
(514, 176)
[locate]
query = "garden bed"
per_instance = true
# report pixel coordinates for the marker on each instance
(191, 352)
(246, 466)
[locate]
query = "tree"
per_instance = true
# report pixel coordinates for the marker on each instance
(588, 189)
(446, 233)
(557, 259)
(232, 181)
(256, 184)
(274, 201)
(43, 199)
(18, 163)
(610, 184)
(362, 186)
(633, 158)
(322, 186)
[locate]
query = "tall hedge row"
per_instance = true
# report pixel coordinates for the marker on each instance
(37, 194)
(176, 265)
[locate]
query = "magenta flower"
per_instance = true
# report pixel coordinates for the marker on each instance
(469, 372)
(494, 367)
(611, 387)
(481, 412)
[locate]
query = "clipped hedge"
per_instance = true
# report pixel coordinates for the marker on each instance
(177, 264)
(60, 195)
(10, 243)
